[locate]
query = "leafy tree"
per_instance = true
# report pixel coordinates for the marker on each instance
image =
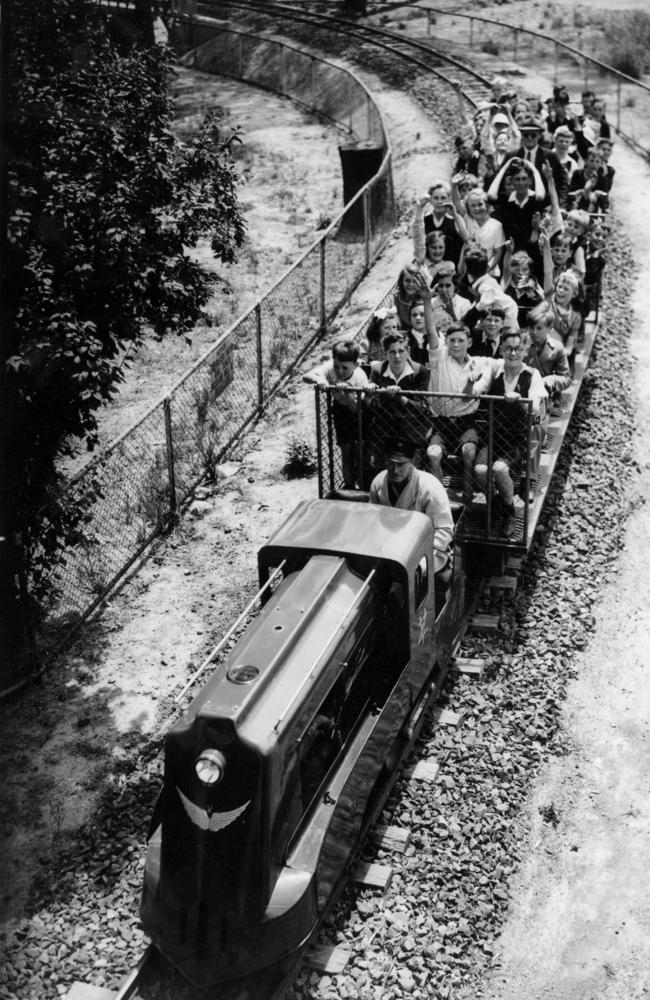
(101, 203)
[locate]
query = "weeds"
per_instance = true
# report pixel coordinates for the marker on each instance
(153, 500)
(549, 815)
(301, 460)
(490, 47)
(92, 571)
(279, 350)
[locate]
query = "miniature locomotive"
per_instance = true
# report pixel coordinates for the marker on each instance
(285, 757)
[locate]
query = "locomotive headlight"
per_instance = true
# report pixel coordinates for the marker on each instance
(210, 767)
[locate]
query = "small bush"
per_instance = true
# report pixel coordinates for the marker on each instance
(628, 61)
(301, 460)
(279, 350)
(628, 36)
(490, 47)
(579, 19)
(557, 22)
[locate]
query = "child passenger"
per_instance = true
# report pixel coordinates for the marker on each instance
(567, 321)
(383, 322)
(417, 335)
(344, 372)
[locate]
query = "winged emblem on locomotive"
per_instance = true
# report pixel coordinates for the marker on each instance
(213, 822)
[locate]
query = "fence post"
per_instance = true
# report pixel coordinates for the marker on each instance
(618, 104)
(239, 57)
(323, 314)
(258, 345)
(516, 39)
(350, 104)
(366, 224)
(169, 442)
(313, 82)
(586, 73)
(471, 32)
(319, 443)
(428, 22)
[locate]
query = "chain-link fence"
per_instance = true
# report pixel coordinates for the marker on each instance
(353, 426)
(130, 492)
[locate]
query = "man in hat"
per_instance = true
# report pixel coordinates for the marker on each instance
(532, 152)
(403, 486)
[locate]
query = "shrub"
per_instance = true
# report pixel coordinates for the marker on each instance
(630, 61)
(628, 38)
(300, 461)
(490, 47)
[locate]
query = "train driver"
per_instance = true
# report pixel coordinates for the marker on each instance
(403, 486)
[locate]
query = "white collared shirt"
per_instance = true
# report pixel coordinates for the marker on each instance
(389, 373)
(448, 375)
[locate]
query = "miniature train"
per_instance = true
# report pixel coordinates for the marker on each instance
(284, 759)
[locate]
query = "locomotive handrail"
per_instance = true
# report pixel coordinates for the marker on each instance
(357, 597)
(206, 663)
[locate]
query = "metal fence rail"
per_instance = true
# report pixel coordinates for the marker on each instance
(130, 492)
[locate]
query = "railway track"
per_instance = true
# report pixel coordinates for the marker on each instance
(421, 55)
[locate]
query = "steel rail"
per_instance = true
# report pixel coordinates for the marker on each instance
(382, 38)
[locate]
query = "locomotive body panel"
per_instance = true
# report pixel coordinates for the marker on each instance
(291, 636)
(364, 533)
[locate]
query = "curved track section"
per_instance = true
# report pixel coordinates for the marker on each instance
(421, 55)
